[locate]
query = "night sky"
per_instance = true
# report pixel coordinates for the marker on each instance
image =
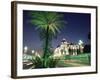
(77, 28)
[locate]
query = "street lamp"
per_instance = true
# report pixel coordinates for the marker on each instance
(25, 49)
(33, 51)
(81, 46)
(80, 42)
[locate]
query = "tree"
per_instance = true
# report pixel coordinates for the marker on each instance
(48, 24)
(89, 36)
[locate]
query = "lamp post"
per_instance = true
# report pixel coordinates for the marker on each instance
(25, 49)
(80, 42)
(81, 46)
(33, 51)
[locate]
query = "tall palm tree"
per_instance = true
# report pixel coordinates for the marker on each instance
(49, 24)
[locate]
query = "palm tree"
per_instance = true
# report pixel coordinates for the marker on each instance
(49, 24)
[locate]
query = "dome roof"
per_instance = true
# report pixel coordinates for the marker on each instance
(63, 40)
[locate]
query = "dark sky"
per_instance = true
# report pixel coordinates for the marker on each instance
(77, 28)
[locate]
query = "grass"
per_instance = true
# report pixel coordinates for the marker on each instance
(82, 58)
(76, 60)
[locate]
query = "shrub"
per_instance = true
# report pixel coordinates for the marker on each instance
(40, 62)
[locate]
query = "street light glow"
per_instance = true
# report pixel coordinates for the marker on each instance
(80, 42)
(25, 49)
(33, 51)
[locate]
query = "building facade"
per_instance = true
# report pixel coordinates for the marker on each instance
(66, 48)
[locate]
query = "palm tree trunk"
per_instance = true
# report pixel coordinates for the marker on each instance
(45, 56)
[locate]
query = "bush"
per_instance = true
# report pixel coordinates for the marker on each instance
(40, 62)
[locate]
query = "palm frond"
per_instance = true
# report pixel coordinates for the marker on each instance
(37, 61)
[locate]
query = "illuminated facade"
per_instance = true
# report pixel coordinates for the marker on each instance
(66, 48)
